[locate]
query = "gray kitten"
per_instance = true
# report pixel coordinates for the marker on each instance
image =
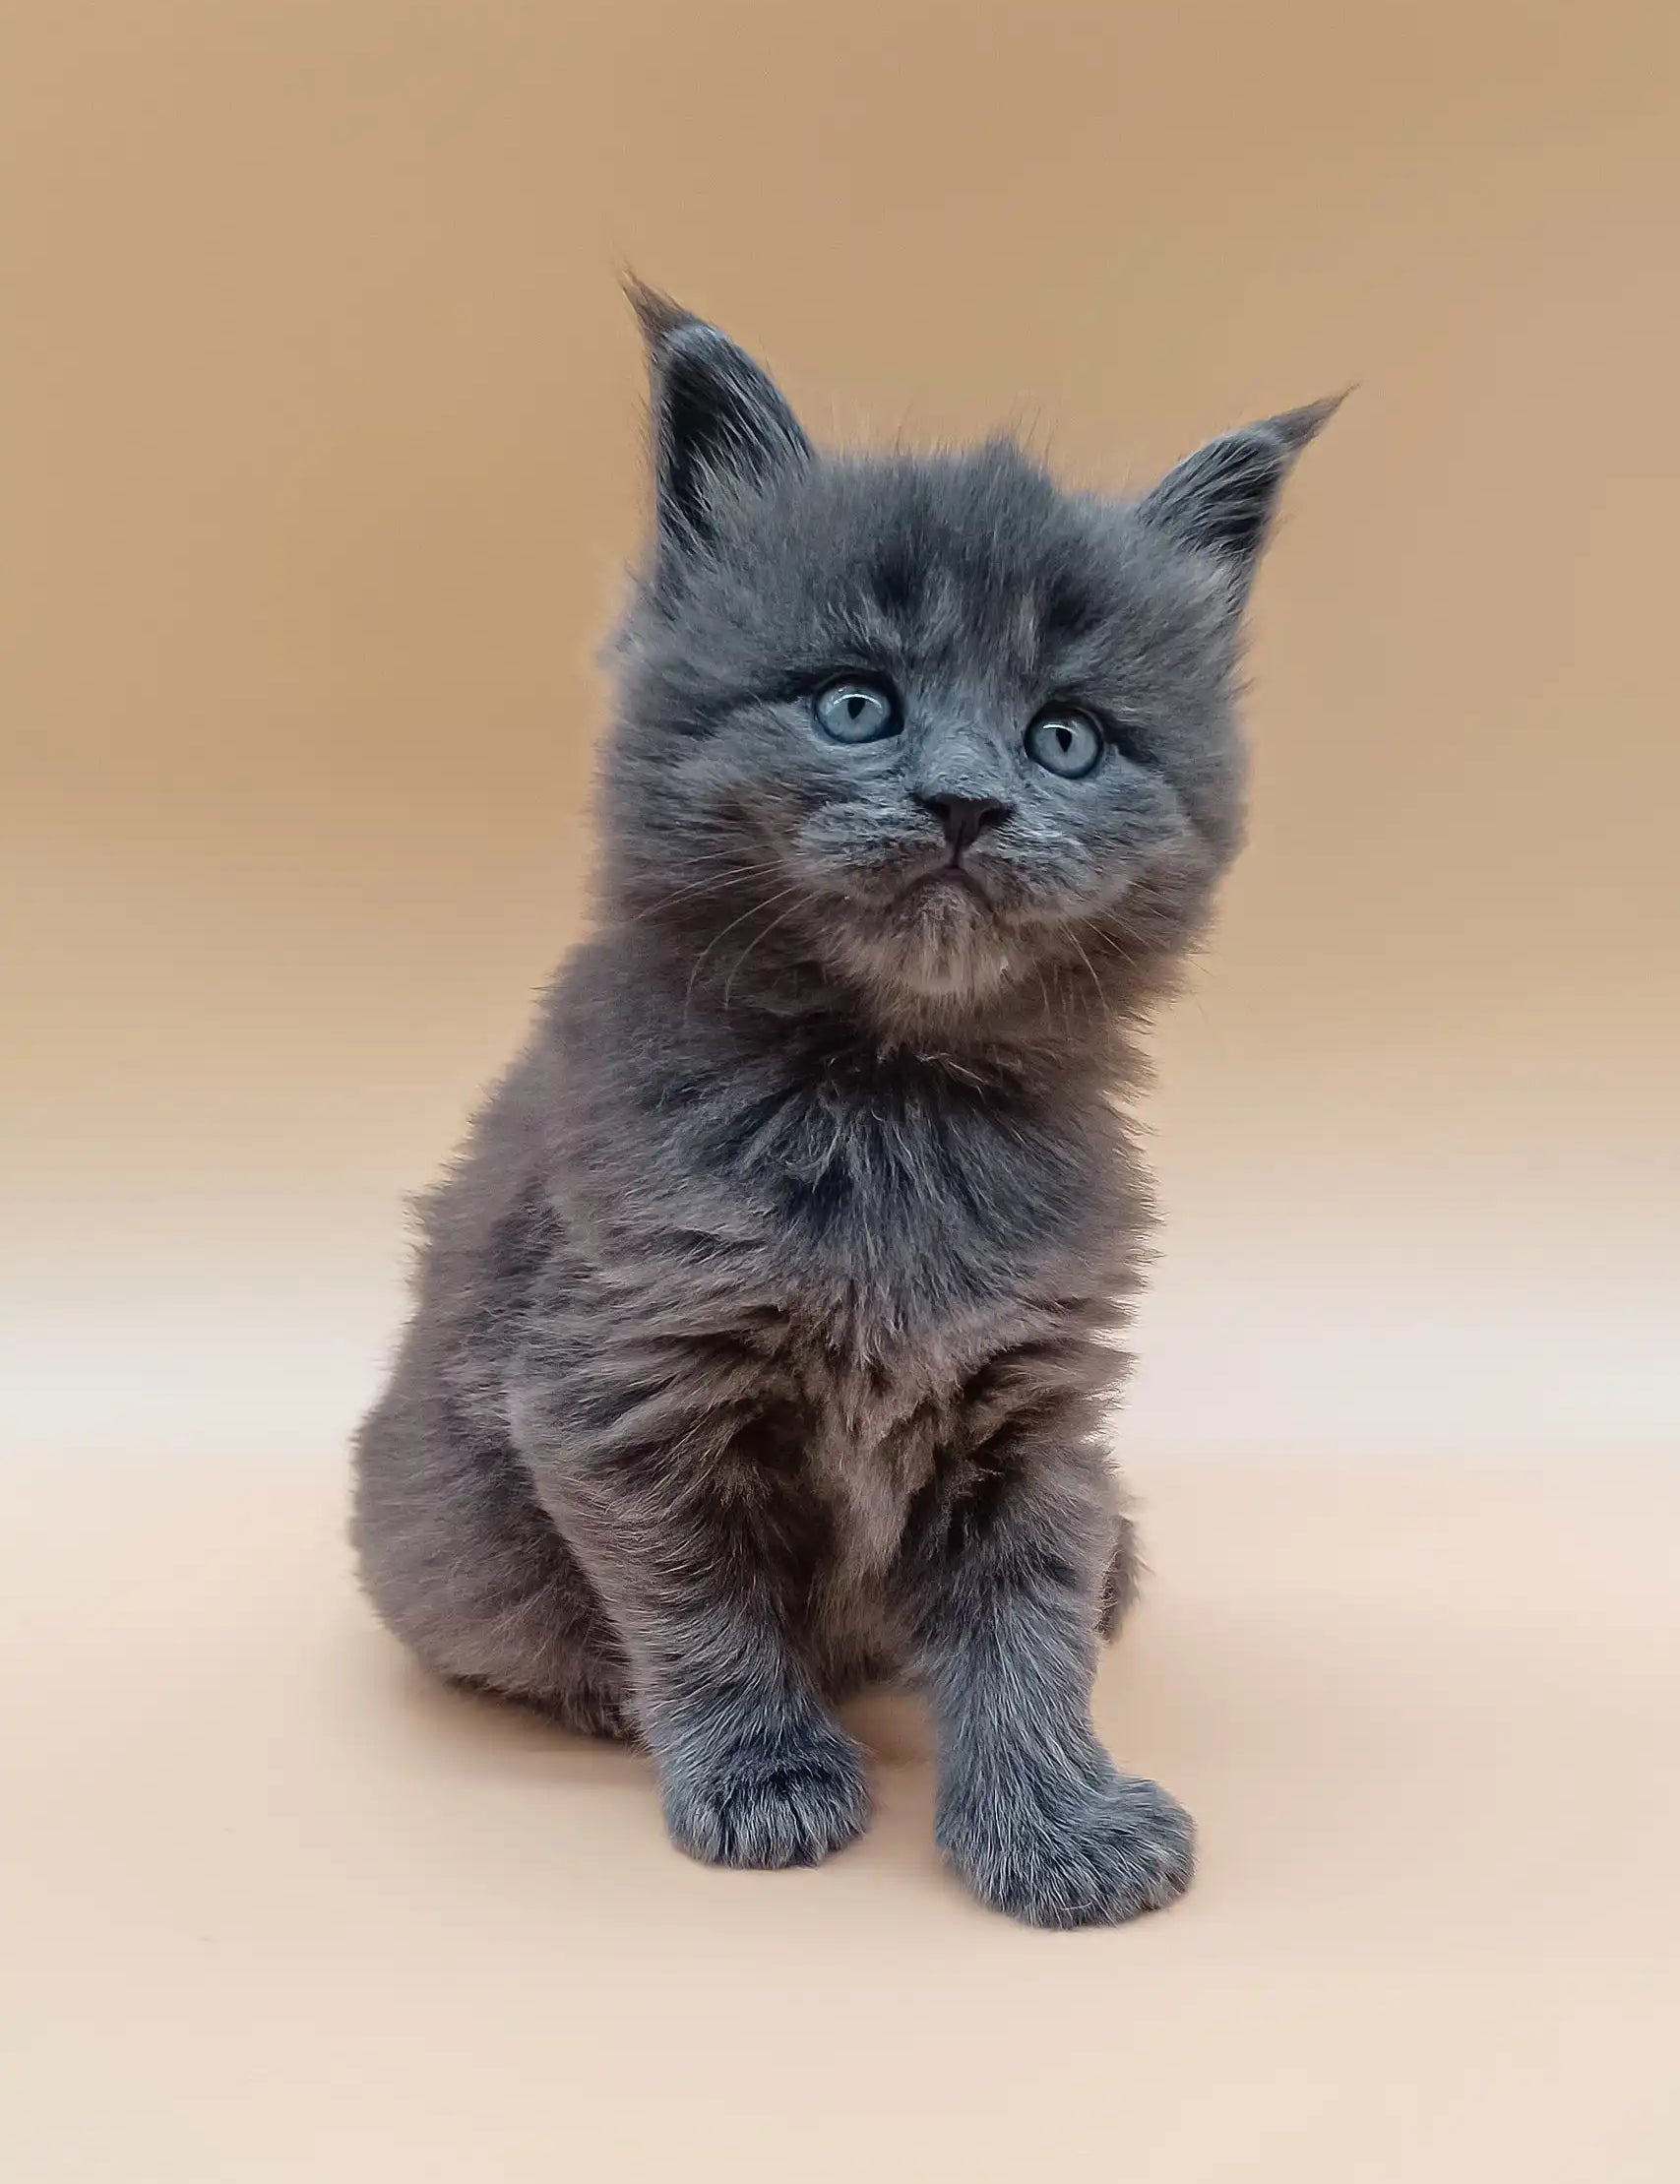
(764, 1329)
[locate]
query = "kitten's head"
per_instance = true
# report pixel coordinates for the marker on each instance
(950, 733)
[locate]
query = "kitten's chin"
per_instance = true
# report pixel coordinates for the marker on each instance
(940, 943)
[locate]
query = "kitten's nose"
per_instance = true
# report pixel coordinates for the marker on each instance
(966, 817)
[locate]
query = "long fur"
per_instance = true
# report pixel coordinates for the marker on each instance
(764, 1328)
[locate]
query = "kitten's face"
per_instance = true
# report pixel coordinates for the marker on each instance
(943, 725)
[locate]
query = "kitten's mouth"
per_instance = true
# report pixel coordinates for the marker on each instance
(948, 877)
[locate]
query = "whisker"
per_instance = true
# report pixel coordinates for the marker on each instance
(731, 876)
(780, 919)
(1096, 982)
(751, 909)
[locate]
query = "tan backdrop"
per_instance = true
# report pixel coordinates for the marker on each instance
(321, 456)
(320, 413)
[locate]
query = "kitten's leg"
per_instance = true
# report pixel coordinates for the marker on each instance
(696, 1538)
(1006, 1590)
(463, 1565)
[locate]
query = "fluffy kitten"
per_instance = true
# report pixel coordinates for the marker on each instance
(762, 1330)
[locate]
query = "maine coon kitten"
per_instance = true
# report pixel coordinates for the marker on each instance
(762, 1329)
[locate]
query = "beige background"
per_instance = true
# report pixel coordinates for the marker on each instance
(319, 417)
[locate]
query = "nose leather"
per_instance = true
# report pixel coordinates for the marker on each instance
(965, 818)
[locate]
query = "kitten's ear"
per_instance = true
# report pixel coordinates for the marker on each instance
(1221, 499)
(719, 421)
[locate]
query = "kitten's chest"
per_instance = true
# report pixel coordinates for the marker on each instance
(881, 1417)
(881, 1244)
(877, 1426)
(905, 1215)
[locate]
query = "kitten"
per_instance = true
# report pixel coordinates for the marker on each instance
(764, 1328)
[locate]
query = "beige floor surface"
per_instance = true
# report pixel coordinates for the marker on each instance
(277, 1910)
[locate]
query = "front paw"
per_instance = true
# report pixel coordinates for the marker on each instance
(786, 1797)
(1071, 1847)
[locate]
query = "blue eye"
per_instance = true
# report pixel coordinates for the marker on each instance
(857, 712)
(1065, 744)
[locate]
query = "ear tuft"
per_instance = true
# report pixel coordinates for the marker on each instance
(1295, 427)
(656, 313)
(1222, 499)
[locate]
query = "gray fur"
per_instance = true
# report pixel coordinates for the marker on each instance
(764, 1327)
